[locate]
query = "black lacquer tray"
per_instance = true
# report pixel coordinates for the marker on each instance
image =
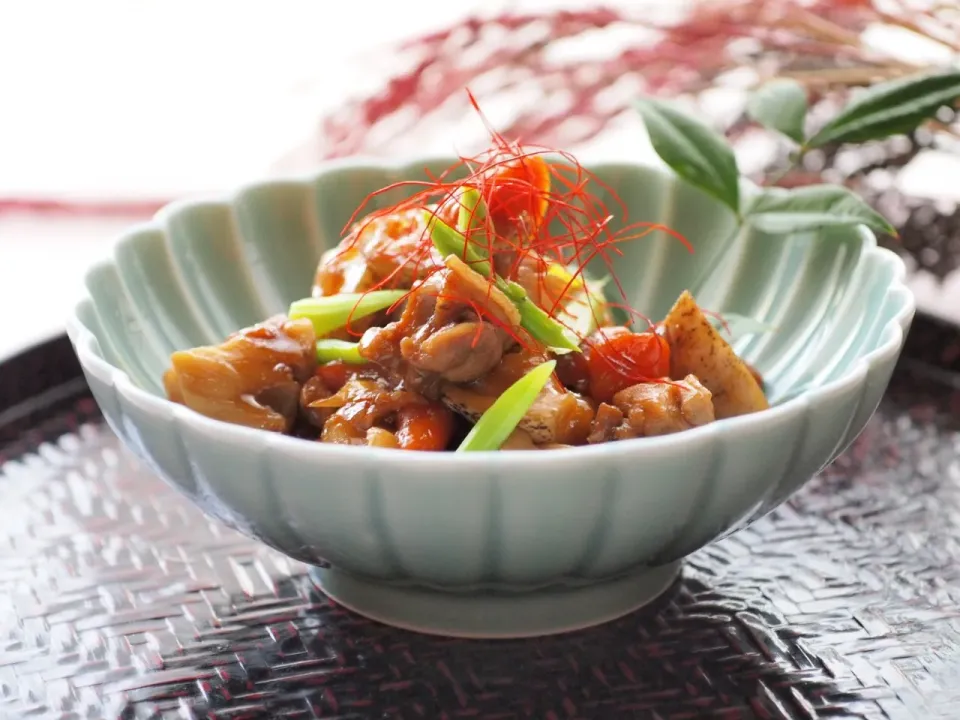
(118, 599)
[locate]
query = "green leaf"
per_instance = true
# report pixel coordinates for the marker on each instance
(502, 418)
(694, 151)
(333, 350)
(780, 211)
(889, 108)
(735, 326)
(334, 312)
(780, 105)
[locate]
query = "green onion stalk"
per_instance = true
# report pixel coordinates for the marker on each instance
(473, 220)
(495, 425)
(333, 350)
(533, 318)
(334, 312)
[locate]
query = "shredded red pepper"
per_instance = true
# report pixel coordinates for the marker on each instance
(543, 206)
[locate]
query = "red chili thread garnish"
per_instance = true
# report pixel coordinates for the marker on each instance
(631, 315)
(543, 207)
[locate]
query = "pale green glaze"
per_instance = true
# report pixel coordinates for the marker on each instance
(545, 523)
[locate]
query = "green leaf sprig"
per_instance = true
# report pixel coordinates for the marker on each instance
(695, 151)
(780, 105)
(890, 108)
(811, 207)
(500, 419)
(704, 159)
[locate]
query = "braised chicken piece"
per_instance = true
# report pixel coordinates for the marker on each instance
(370, 412)
(379, 249)
(455, 327)
(521, 440)
(558, 416)
(450, 343)
(543, 287)
(379, 252)
(253, 378)
(328, 381)
(313, 391)
(648, 409)
(605, 424)
(458, 352)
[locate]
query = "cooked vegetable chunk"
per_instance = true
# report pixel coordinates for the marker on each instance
(648, 409)
(253, 378)
(696, 348)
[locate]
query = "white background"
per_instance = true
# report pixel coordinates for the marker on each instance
(127, 98)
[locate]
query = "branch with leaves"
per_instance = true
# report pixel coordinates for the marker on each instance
(819, 43)
(703, 158)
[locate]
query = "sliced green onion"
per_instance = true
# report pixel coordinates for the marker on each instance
(532, 318)
(512, 290)
(473, 217)
(495, 425)
(586, 302)
(536, 321)
(333, 350)
(334, 312)
(544, 328)
(448, 241)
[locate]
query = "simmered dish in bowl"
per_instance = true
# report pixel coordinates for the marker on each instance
(462, 318)
(307, 327)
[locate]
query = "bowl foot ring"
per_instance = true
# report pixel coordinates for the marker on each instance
(490, 615)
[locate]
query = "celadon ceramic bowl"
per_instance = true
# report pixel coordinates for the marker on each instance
(491, 544)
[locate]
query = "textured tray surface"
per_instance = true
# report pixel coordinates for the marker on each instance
(119, 599)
